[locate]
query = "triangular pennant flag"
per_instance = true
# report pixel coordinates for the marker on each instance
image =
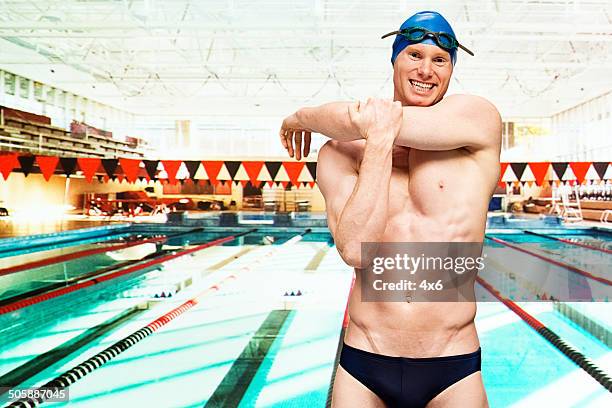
(232, 168)
(273, 168)
(151, 168)
(518, 169)
(244, 182)
(192, 167)
(102, 178)
(264, 174)
(539, 171)
(253, 170)
(271, 183)
(89, 166)
(508, 175)
(527, 175)
(8, 162)
(580, 170)
(119, 178)
(304, 183)
(224, 174)
(47, 165)
(110, 166)
(559, 169)
(130, 168)
(592, 174)
(201, 173)
(285, 184)
(312, 168)
(500, 182)
(569, 174)
(182, 172)
(241, 174)
(293, 170)
(530, 183)
(212, 167)
(311, 184)
(600, 168)
(281, 175)
(305, 175)
(26, 163)
(608, 174)
(68, 165)
(171, 167)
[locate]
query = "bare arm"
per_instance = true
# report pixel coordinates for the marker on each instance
(456, 121)
(357, 199)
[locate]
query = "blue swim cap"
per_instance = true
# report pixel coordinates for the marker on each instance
(430, 20)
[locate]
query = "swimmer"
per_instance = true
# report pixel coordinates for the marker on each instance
(419, 168)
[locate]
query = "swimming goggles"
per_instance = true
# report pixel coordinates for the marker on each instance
(416, 34)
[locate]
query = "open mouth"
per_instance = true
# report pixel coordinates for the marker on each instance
(421, 87)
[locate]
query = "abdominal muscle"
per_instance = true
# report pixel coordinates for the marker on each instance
(417, 329)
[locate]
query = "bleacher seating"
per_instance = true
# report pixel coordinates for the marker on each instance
(17, 133)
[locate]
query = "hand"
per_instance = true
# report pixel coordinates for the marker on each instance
(377, 119)
(293, 131)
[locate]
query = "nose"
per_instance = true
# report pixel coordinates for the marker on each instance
(425, 69)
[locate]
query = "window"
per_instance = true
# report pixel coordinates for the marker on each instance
(9, 83)
(24, 87)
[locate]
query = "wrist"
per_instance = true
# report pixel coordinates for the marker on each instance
(378, 147)
(380, 140)
(301, 115)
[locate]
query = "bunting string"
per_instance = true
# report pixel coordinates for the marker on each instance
(259, 173)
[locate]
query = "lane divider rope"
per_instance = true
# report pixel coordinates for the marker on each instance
(567, 241)
(81, 370)
(20, 304)
(570, 268)
(577, 357)
(76, 255)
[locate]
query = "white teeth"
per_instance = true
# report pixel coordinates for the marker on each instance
(421, 85)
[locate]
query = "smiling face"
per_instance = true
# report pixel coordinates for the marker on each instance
(421, 75)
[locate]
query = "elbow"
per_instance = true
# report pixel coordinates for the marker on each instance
(351, 254)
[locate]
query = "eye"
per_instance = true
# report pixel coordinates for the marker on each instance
(440, 60)
(415, 54)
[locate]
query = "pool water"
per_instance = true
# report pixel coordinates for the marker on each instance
(269, 335)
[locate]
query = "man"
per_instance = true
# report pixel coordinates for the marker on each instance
(419, 169)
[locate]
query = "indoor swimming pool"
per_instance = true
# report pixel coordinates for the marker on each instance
(251, 315)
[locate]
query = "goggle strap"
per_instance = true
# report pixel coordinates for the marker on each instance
(465, 49)
(399, 32)
(390, 34)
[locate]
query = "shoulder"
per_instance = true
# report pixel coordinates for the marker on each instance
(474, 106)
(334, 150)
(481, 114)
(337, 160)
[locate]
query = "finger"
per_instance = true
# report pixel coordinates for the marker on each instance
(290, 143)
(283, 136)
(307, 139)
(297, 136)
